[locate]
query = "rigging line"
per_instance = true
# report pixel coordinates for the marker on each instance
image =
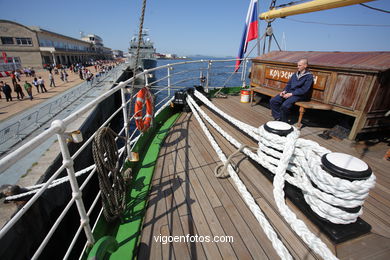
(340, 24)
(290, 3)
(376, 9)
(262, 37)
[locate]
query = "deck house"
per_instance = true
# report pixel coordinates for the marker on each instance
(356, 84)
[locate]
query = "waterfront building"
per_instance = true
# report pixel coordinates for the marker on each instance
(117, 53)
(32, 46)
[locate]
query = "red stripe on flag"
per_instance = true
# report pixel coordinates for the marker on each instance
(253, 31)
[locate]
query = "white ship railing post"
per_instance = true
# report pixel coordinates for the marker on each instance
(244, 67)
(208, 74)
(169, 80)
(125, 119)
(76, 193)
(146, 78)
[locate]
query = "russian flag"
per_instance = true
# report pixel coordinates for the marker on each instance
(250, 31)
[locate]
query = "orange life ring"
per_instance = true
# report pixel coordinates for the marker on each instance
(144, 97)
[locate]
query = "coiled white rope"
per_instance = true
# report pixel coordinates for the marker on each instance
(303, 160)
(298, 226)
(305, 164)
(255, 209)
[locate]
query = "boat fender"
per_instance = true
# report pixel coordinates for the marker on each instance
(144, 97)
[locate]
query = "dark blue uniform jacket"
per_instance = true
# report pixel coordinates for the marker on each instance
(299, 85)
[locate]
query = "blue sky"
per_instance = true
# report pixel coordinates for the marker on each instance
(211, 27)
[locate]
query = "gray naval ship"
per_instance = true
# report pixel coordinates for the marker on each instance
(146, 56)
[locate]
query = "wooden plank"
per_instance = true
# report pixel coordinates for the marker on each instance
(378, 209)
(238, 245)
(242, 224)
(293, 242)
(175, 229)
(371, 246)
(211, 249)
(214, 225)
(195, 249)
(378, 225)
(377, 195)
(147, 244)
(154, 216)
(166, 251)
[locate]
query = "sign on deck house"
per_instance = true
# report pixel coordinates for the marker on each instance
(354, 83)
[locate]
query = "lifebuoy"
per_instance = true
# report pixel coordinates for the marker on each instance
(144, 97)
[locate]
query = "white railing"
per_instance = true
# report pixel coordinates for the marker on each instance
(174, 78)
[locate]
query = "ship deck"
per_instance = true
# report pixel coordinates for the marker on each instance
(187, 199)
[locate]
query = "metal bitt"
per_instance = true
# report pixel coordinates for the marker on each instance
(278, 127)
(345, 166)
(76, 193)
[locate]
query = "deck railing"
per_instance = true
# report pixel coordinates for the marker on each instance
(171, 77)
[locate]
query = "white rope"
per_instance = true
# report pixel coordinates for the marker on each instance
(250, 130)
(297, 225)
(34, 189)
(305, 164)
(255, 209)
(304, 161)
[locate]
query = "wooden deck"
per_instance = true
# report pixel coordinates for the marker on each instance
(187, 199)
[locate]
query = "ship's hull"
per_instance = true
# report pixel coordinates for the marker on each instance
(144, 64)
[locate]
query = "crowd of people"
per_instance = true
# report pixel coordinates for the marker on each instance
(84, 72)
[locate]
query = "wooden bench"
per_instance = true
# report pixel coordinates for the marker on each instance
(303, 105)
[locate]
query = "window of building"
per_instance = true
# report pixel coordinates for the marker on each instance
(23, 41)
(7, 40)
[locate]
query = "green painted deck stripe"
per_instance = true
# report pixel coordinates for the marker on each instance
(129, 231)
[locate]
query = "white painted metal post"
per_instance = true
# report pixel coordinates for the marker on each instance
(169, 80)
(125, 120)
(208, 74)
(244, 67)
(76, 193)
(146, 75)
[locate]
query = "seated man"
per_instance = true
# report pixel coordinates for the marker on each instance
(297, 89)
